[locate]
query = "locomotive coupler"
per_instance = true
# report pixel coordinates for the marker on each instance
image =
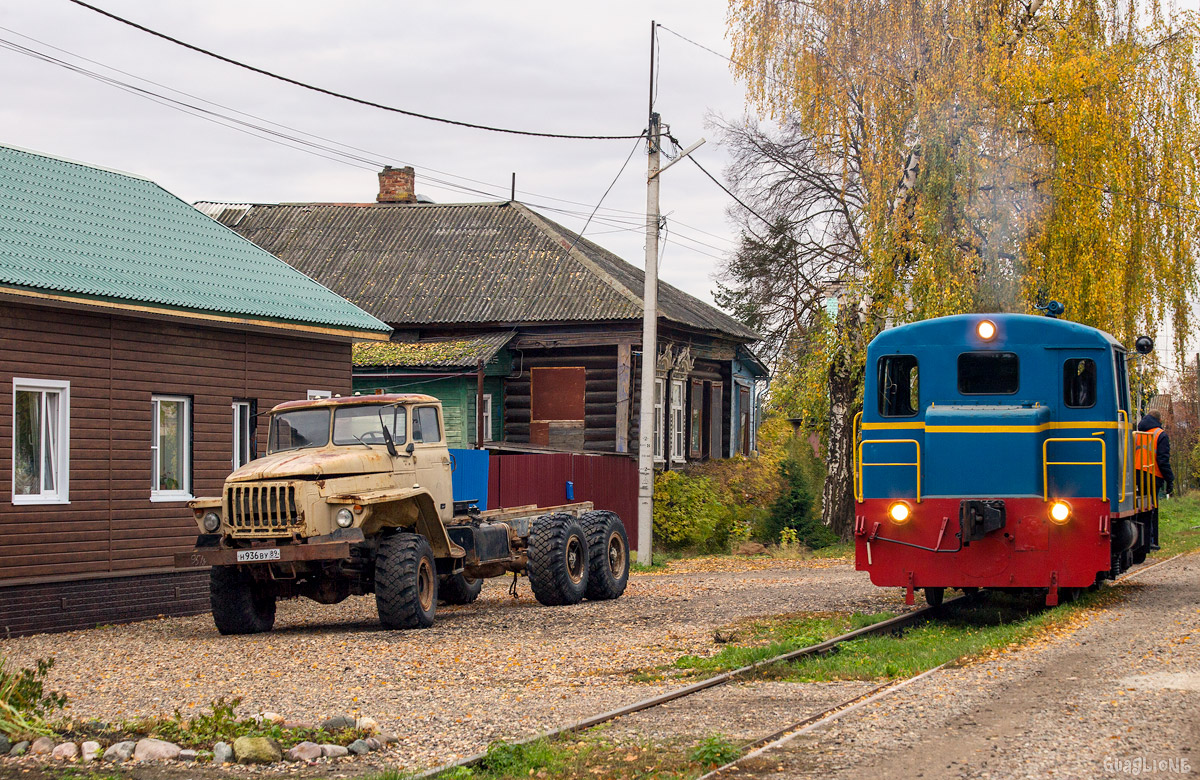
(978, 518)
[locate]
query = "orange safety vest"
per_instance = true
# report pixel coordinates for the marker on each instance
(1145, 458)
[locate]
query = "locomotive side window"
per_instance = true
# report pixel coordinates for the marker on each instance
(897, 386)
(988, 373)
(1079, 383)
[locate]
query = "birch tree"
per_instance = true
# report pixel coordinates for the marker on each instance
(930, 158)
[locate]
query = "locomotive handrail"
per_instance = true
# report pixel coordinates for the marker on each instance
(1102, 463)
(860, 497)
(854, 434)
(1123, 424)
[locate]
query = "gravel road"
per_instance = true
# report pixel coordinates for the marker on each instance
(1117, 697)
(497, 669)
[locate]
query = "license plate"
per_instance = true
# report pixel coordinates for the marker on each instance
(250, 556)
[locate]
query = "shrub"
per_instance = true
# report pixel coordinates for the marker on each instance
(686, 509)
(24, 702)
(716, 750)
(797, 508)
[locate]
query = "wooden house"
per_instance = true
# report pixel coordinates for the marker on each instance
(139, 341)
(558, 317)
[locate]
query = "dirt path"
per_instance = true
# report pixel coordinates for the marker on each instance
(1119, 697)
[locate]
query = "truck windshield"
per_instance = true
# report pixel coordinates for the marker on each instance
(356, 424)
(299, 429)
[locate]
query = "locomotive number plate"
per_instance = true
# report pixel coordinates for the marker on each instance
(250, 556)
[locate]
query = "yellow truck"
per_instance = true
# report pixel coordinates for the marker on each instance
(354, 496)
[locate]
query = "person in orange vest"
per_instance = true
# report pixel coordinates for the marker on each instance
(1161, 467)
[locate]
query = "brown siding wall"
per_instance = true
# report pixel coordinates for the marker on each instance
(114, 365)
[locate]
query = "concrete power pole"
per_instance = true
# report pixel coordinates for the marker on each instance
(649, 334)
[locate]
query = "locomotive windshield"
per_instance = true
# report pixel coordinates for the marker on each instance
(988, 373)
(897, 386)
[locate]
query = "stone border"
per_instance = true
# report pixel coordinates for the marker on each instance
(244, 750)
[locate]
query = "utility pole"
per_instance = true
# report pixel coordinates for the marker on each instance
(649, 333)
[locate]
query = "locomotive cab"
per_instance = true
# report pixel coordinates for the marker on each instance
(995, 451)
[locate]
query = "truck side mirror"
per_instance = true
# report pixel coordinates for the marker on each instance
(409, 449)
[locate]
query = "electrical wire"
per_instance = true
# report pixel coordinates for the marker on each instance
(342, 96)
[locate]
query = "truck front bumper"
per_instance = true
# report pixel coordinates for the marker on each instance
(204, 555)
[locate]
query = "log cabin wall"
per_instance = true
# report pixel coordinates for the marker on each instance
(599, 424)
(66, 566)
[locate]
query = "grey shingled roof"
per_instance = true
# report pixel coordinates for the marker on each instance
(474, 263)
(88, 233)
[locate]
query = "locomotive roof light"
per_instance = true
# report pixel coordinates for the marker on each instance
(986, 330)
(1060, 512)
(900, 512)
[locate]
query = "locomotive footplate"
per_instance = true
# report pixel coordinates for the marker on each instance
(978, 518)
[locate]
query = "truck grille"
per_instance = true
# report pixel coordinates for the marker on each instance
(263, 509)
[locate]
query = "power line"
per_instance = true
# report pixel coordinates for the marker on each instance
(343, 96)
(729, 192)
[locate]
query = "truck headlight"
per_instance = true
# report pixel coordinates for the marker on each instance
(344, 517)
(212, 522)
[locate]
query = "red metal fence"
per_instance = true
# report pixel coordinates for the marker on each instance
(608, 481)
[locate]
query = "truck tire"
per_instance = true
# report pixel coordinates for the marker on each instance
(405, 582)
(608, 555)
(558, 560)
(458, 588)
(238, 607)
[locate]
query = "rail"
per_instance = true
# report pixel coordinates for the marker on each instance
(860, 494)
(1102, 463)
(881, 627)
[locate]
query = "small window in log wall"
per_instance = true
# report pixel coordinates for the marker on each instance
(696, 428)
(556, 406)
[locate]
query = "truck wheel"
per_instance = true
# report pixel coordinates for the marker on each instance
(238, 607)
(558, 560)
(608, 555)
(405, 582)
(458, 588)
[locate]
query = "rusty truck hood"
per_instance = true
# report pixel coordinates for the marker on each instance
(314, 464)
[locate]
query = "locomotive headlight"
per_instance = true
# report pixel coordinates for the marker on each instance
(1060, 512)
(986, 330)
(899, 512)
(344, 517)
(211, 521)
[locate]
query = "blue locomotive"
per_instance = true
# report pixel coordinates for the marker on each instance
(998, 451)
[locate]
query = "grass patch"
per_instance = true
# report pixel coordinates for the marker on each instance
(768, 638)
(658, 563)
(592, 755)
(838, 550)
(1178, 526)
(960, 633)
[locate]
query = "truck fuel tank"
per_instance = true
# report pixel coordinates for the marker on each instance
(484, 542)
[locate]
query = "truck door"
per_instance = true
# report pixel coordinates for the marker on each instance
(431, 458)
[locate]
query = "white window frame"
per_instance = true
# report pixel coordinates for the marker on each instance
(678, 421)
(487, 416)
(61, 493)
(184, 493)
(241, 436)
(317, 395)
(660, 392)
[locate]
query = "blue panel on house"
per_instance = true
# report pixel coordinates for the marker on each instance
(470, 477)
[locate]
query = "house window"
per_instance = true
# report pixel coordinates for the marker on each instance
(487, 417)
(316, 395)
(696, 428)
(41, 441)
(171, 449)
(243, 433)
(659, 419)
(678, 421)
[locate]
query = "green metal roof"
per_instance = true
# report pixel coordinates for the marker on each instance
(84, 232)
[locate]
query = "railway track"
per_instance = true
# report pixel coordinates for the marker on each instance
(882, 627)
(782, 736)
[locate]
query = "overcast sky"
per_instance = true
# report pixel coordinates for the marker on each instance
(543, 66)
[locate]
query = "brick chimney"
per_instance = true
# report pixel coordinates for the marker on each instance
(396, 185)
